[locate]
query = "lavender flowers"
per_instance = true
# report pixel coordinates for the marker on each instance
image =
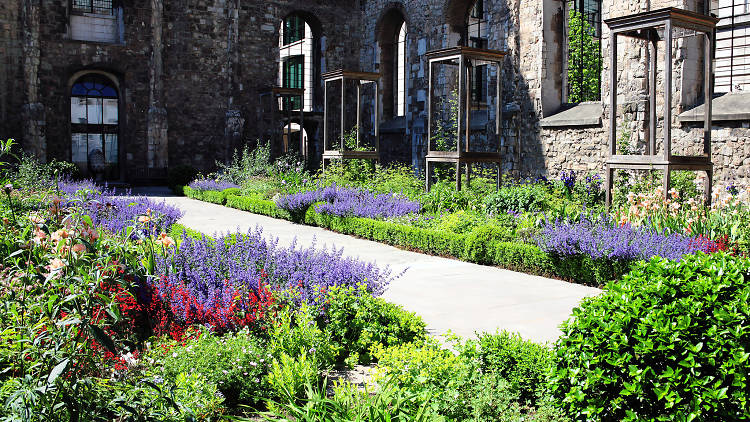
(211, 185)
(209, 268)
(602, 239)
(344, 202)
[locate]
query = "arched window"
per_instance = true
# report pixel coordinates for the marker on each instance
(296, 59)
(401, 71)
(391, 34)
(94, 118)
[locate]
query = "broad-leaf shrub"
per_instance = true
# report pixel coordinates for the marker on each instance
(524, 364)
(356, 321)
(670, 341)
(517, 198)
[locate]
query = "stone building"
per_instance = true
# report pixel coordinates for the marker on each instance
(153, 84)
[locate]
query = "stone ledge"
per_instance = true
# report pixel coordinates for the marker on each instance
(732, 106)
(583, 114)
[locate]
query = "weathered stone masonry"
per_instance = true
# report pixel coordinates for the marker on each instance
(192, 75)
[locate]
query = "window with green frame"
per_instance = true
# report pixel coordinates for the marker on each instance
(294, 71)
(294, 29)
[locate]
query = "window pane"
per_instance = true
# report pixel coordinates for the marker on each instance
(95, 143)
(110, 148)
(78, 110)
(79, 148)
(95, 111)
(110, 111)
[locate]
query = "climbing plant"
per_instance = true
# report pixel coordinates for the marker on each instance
(584, 60)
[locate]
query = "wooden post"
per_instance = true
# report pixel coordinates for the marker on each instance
(667, 90)
(653, 47)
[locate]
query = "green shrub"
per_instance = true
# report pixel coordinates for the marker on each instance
(247, 164)
(190, 397)
(32, 174)
(257, 206)
(670, 341)
(357, 321)
(236, 363)
(295, 333)
(460, 221)
(517, 198)
(181, 175)
(524, 364)
(478, 246)
(290, 375)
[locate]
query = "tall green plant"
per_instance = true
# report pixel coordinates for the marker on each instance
(584, 60)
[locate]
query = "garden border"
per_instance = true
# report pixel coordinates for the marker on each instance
(476, 246)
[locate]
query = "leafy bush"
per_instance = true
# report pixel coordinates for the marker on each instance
(460, 221)
(472, 384)
(247, 164)
(189, 397)
(524, 364)
(356, 322)
(181, 175)
(289, 375)
(295, 333)
(348, 403)
(235, 363)
(516, 198)
(31, 174)
(667, 342)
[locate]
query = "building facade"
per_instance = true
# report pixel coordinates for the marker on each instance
(153, 84)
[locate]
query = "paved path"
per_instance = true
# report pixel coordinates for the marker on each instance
(449, 294)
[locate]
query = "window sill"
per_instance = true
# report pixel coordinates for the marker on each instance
(734, 106)
(583, 114)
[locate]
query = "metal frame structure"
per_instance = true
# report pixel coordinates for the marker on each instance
(646, 26)
(286, 95)
(341, 153)
(465, 58)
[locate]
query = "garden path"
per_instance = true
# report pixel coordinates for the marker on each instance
(450, 295)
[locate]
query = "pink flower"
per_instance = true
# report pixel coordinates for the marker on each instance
(79, 248)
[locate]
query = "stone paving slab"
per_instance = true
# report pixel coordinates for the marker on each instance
(449, 294)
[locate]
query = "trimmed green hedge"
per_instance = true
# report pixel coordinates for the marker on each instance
(477, 246)
(257, 206)
(212, 196)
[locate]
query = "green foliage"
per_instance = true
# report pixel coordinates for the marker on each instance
(667, 342)
(527, 197)
(32, 174)
(214, 197)
(257, 206)
(446, 127)
(190, 397)
(584, 60)
(479, 242)
(357, 322)
(236, 363)
(296, 333)
(289, 376)
(347, 403)
(524, 364)
(181, 175)
(472, 384)
(379, 179)
(247, 164)
(459, 222)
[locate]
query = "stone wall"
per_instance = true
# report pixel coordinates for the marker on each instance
(193, 74)
(11, 76)
(190, 73)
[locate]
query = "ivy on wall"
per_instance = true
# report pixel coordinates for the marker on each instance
(584, 60)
